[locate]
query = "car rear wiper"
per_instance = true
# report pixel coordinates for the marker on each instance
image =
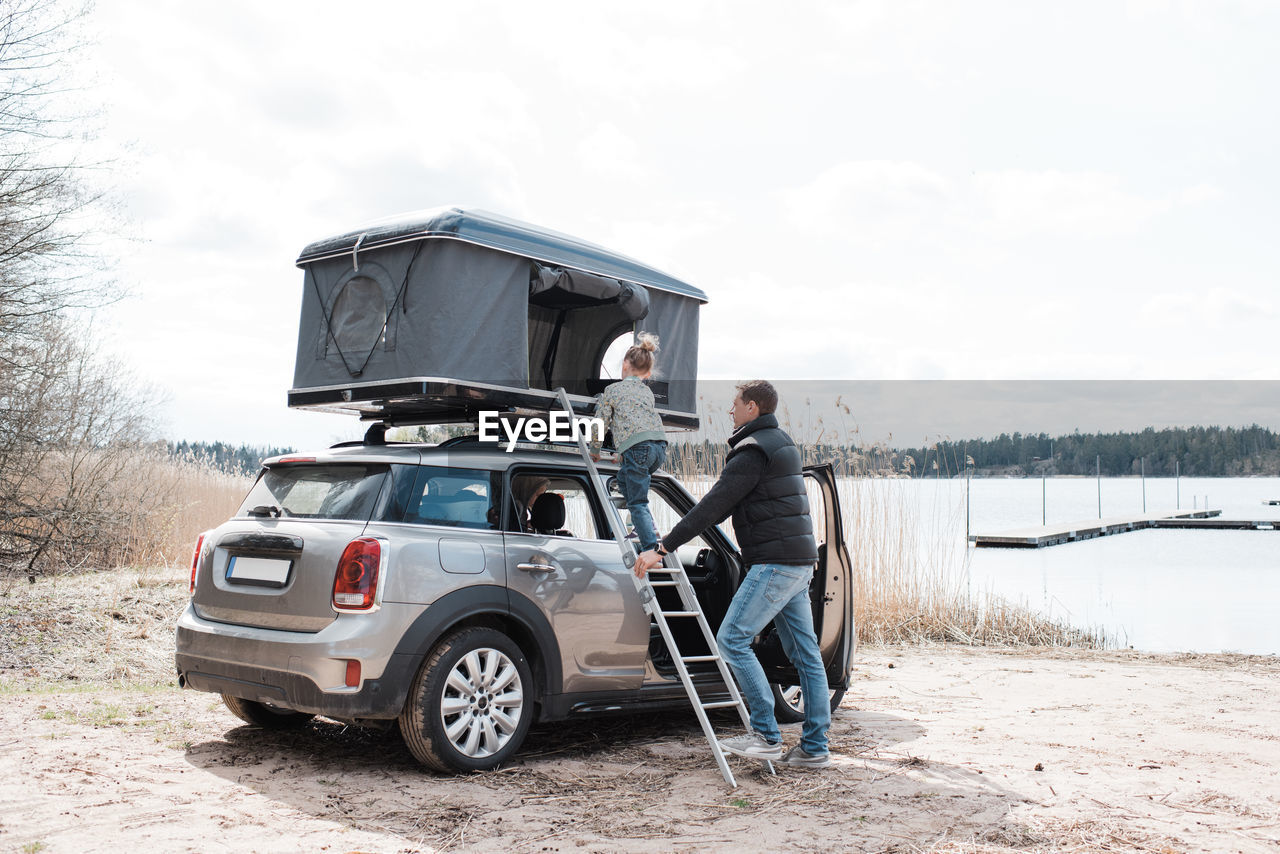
(267, 510)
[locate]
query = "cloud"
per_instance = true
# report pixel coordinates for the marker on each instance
(1017, 203)
(881, 203)
(870, 201)
(633, 53)
(608, 152)
(1216, 307)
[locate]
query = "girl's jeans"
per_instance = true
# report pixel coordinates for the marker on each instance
(639, 462)
(780, 593)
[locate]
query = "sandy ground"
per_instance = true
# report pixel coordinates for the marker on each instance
(939, 750)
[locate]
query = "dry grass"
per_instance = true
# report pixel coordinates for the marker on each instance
(91, 628)
(116, 506)
(195, 496)
(910, 579)
(1054, 835)
(180, 497)
(909, 574)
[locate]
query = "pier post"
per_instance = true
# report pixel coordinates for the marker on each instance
(966, 507)
(1098, 463)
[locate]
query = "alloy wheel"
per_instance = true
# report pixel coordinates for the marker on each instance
(482, 702)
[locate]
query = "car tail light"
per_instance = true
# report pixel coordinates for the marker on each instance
(353, 673)
(356, 581)
(195, 561)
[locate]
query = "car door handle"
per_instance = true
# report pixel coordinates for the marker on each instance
(536, 567)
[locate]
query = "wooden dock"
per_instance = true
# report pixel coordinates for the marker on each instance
(1071, 532)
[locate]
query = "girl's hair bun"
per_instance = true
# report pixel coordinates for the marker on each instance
(640, 354)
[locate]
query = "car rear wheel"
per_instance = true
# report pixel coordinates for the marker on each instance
(267, 717)
(788, 703)
(471, 704)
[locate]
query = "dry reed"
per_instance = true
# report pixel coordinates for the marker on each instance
(909, 577)
(181, 496)
(909, 584)
(123, 505)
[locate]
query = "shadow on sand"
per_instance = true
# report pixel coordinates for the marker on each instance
(601, 783)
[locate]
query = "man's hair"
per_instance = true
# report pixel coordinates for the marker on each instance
(761, 393)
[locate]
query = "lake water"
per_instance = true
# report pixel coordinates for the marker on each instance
(1154, 590)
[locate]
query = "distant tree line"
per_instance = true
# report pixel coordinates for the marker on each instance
(233, 459)
(706, 459)
(1191, 451)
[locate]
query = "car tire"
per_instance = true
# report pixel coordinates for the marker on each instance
(267, 717)
(788, 703)
(471, 704)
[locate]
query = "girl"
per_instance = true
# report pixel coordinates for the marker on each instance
(627, 408)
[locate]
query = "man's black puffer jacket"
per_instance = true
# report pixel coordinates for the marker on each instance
(772, 521)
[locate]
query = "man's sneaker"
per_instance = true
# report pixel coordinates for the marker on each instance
(797, 758)
(751, 745)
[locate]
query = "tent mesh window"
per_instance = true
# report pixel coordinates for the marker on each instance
(358, 320)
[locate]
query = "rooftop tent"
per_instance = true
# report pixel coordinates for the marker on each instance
(440, 314)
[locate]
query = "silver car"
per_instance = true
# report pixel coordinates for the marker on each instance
(463, 593)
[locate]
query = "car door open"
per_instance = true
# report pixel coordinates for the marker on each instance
(831, 591)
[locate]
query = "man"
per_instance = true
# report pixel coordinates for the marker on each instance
(763, 488)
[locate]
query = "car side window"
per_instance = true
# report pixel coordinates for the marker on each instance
(817, 509)
(665, 516)
(458, 498)
(553, 504)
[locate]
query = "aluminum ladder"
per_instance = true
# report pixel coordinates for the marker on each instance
(689, 609)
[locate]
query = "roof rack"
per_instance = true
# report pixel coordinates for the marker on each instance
(474, 439)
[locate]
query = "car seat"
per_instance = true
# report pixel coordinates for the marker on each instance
(547, 515)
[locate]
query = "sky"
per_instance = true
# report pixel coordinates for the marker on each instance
(865, 190)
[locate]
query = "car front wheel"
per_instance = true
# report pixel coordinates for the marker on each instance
(788, 703)
(471, 704)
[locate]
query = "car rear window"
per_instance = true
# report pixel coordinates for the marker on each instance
(335, 491)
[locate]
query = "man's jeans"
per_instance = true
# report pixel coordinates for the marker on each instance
(780, 593)
(639, 462)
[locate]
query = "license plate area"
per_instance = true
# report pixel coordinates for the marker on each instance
(258, 571)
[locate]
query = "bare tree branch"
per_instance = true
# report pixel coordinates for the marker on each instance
(72, 426)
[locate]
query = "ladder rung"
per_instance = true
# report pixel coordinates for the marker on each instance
(721, 704)
(692, 658)
(665, 569)
(664, 583)
(681, 613)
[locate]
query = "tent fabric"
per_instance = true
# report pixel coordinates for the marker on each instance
(676, 326)
(461, 315)
(553, 286)
(395, 310)
(484, 228)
